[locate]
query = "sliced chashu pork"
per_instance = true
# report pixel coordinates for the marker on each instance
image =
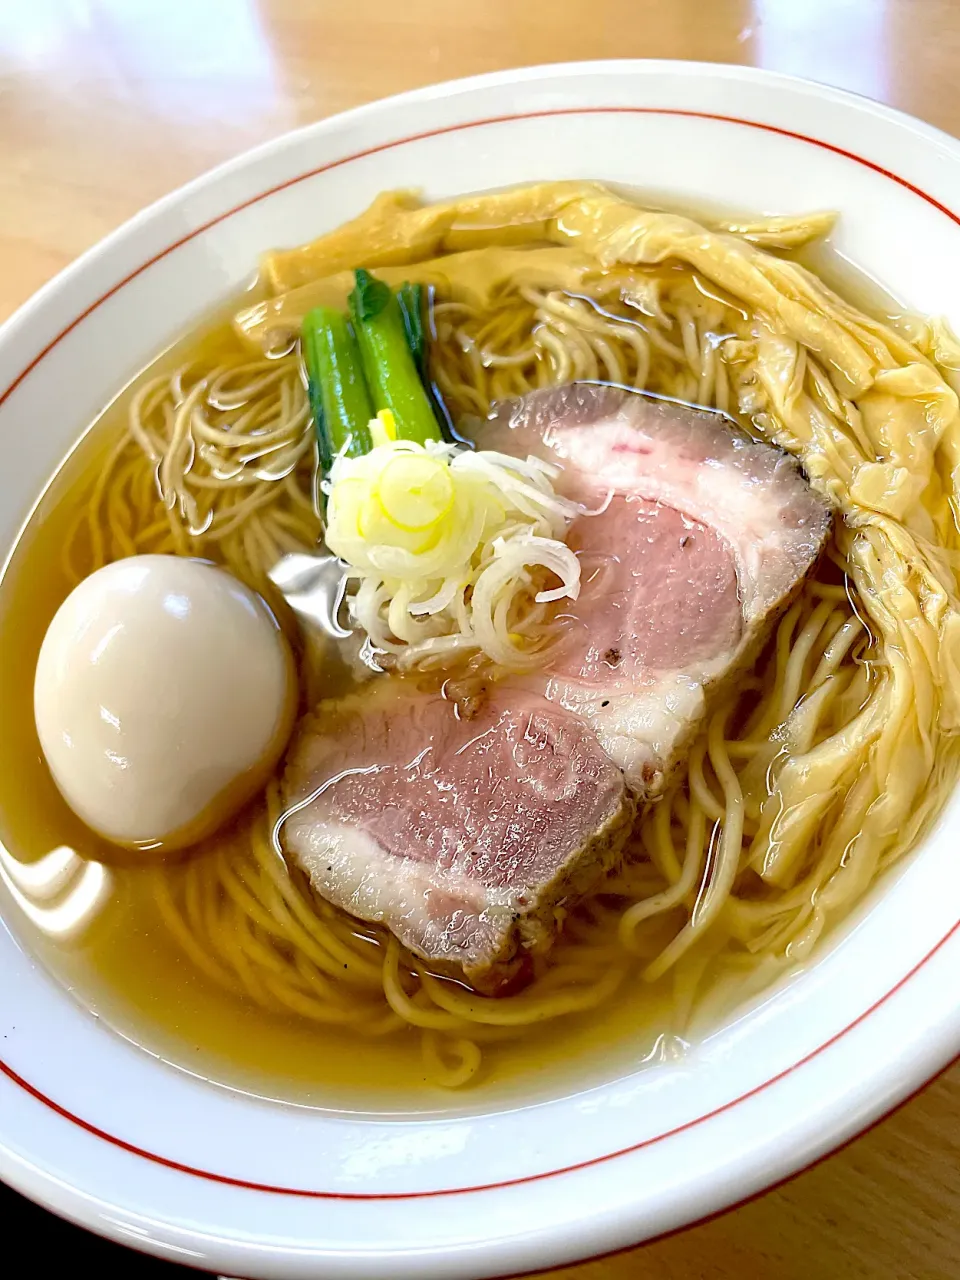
(707, 537)
(464, 837)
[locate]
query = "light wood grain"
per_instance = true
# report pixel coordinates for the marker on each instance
(106, 105)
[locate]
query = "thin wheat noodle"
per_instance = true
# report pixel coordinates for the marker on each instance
(846, 726)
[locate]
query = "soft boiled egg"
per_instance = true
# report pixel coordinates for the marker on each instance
(164, 695)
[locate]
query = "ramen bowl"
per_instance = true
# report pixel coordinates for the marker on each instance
(151, 1154)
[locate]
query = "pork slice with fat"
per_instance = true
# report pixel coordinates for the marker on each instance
(464, 837)
(705, 540)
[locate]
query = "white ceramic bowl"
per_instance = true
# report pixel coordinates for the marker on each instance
(108, 1136)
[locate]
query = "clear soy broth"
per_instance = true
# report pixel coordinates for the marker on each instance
(125, 966)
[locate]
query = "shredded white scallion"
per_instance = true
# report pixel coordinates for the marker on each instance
(453, 551)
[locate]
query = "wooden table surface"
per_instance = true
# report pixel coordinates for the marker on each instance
(107, 104)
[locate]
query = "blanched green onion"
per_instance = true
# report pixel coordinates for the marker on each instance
(338, 391)
(391, 374)
(410, 298)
